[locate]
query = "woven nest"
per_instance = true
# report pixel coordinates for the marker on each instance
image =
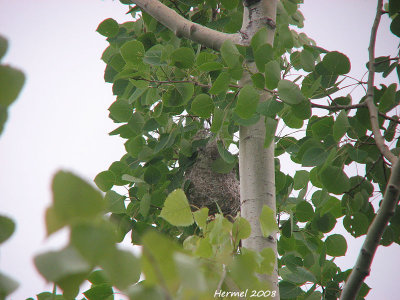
(208, 188)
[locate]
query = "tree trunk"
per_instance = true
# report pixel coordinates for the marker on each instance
(256, 163)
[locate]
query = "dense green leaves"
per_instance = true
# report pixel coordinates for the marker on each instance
(202, 106)
(335, 180)
(132, 52)
(289, 92)
(247, 102)
(108, 28)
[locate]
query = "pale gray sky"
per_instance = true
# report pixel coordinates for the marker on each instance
(60, 119)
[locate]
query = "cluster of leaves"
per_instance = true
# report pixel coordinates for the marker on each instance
(11, 82)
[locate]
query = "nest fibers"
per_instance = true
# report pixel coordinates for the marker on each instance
(208, 188)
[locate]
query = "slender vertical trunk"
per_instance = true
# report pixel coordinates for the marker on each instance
(256, 163)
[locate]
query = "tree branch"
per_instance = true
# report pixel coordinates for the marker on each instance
(182, 27)
(373, 111)
(363, 265)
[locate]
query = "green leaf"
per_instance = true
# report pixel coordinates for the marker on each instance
(324, 223)
(7, 286)
(145, 205)
(289, 92)
(288, 290)
(121, 110)
(152, 175)
(53, 222)
(247, 102)
(304, 211)
(108, 28)
(7, 227)
(307, 60)
(176, 209)
(202, 106)
(314, 156)
(357, 224)
(300, 179)
(183, 58)
(11, 82)
(122, 267)
(221, 166)
(335, 180)
(336, 245)
(241, 229)
(56, 266)
(201, 216)
(225, 154)
(93, 241)
(270, 130)
(105, 180)
(187, 269)
(299, 275)
(230, 54)
(221, 84)
(340, 126)
(115, 202)
(258, 80)
(395, 25)
(154, 56)
(262, 56)
(3, 46)
(132, 52)
(336, 63)
(388, 98)
(259, 39)
(267, 221)
(103, 291)
(134, 145)
(73, 198)
(272, 74)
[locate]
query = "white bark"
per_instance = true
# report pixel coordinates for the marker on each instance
(185, 28)
(256, 163)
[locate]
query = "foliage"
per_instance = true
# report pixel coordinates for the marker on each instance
(169, 89)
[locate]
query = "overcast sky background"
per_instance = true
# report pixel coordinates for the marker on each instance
(60, 119)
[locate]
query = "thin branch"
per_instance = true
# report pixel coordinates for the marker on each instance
(182, 27)
(363, 265)
(373, 111)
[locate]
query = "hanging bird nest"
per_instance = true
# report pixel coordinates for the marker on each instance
(208, 188)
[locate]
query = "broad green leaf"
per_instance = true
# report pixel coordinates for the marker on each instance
(201, 216)
(336, 63)
(152, 175)
(225, 154)
(115, 202)
(270, 130)
(340, 126)
(7, 286)
(267, 221)
(221, 166)
(105, 180)
(300, 275)
(272, 74)
(230, 4)
(3, 46)
(93, 241)
(218, 117)
(395, 25)
(145, 205)
(56, 266)
(108, 28)
(73, 198)
(187, 269)
(323, 127)
(11, 82)
(210, 66)
(132, 52)
(289, 92)
(53, 221)
(122, 267)
(153, 56)
(134, 145)
(204, 248)
(258, 80)
(230, 54)
(336, 245)
(202, 106)
(183, 58)
(288, 290)
(300, 179)
(176, 209)
(307, 60)
(267, 265)
(121, 110)
(7, 227)
(324, 223)
(103, 291)
(335, 180)
(388, 98)
(304, 211)
(314, 156)
(241, 229)
(259, 39)
(247, 102)
(262, 56)
(357, 224)
(221, 84)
